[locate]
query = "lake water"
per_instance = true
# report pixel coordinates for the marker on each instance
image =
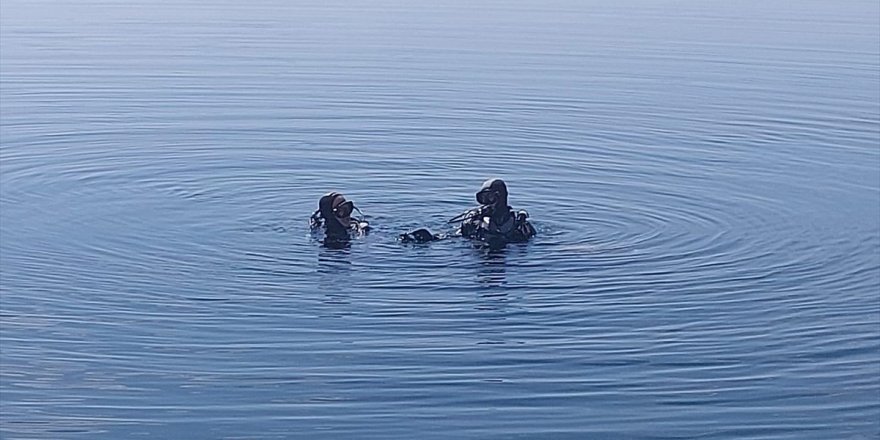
(704, 176)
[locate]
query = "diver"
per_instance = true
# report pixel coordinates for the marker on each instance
(334, 214)
(493, 222)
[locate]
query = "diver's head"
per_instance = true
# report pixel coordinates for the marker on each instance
(336, 212)
(493, 193)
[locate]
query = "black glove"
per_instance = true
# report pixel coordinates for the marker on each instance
(418, 236)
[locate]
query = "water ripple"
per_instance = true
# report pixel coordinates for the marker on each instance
(703, 178)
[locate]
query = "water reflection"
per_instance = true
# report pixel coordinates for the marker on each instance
(492, 271)
(334, 271)
(685, 258)
(336, 242)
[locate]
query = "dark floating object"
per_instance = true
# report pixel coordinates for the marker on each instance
(421, 235)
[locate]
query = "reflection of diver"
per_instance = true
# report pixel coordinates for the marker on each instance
(493, 267)
(493, 222)
(334, 262)
(334, 215)
(334, 270)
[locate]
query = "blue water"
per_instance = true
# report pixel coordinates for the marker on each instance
(704, 176)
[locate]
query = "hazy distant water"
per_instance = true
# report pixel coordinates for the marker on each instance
(705, 177)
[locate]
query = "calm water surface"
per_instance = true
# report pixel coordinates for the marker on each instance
(705, 178)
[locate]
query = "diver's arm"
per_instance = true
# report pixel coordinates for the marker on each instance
(465, 227)
(315, 221)
(359, 227)
(523, 229)
(524, 232)
(470, 222)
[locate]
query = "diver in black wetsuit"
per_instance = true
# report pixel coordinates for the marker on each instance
(334, 215)
(493, 222)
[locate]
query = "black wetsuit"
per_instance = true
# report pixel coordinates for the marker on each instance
(492, 222)
(334, 230)
(495, 221)
(338, 232)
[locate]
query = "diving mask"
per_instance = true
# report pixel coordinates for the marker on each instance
(487, 196)
(344, 209)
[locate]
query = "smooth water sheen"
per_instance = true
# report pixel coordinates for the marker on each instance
(704, 176)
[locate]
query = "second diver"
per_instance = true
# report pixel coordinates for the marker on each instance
(493, 221)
